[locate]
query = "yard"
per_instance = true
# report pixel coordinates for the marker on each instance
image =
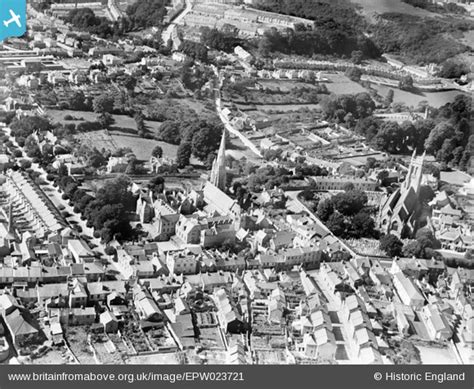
(55, 356)
(106, 351)
(436, 356)
(77, 339)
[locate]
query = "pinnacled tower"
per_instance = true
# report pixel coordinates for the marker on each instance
(415, 173)
(218, 174)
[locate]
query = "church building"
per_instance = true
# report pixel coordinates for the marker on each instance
(398, 213)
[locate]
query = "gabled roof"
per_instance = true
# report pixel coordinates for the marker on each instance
(20, 322)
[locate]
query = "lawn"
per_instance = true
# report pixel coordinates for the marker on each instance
(340, 84)
(142, 148)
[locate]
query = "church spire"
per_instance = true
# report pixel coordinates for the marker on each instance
(218, 173)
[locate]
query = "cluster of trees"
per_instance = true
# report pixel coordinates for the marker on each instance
(418, 39)
(223, 40)
(267, 177)
(453, 69)
(27, 125)
(326, 39)
(423, 246)
(146, 13)
(194, 77)
(446, 135)
(337, 29)
(107, 212)
(347, 215)
(338, 107)
(200, 138)
(85, 19)
(195, 50)
(23, 130)
(77, 101)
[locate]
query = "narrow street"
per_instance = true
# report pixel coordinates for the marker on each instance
(166, 35)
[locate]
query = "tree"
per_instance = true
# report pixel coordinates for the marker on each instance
(437, 136)
(156, 184)
(362, 225)
(325, 209)
(110, 250)
(348, 186)
(391, 245)
(389, 97)
(206, 140)
(357, 56)
(389, 138)
(382, 177)
(350, 202)
(25, 164)
(353, 74)
(169, 132)
(78, 102)
(157, 152)
(130, 83)
(105, 119)
(103, 104)
(453, 69)
(336, 224)
(147, 13)
(406, 83)
(183, 154)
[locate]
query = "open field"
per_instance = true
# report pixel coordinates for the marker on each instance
(340, 84)
(383, 6)
(112, 140)
(121, 121)
(142, 148)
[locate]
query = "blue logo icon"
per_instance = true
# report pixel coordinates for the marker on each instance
(12, 18)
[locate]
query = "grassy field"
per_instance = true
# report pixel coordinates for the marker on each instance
(112, 140)
(340, 84)
(121, 121)
(383, 6)
(142, 148)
